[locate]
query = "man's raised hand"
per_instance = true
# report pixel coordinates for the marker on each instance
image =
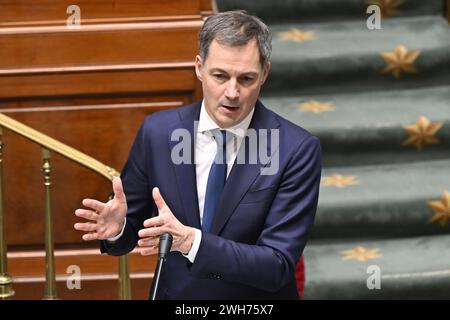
(183, 236)
(105, 219)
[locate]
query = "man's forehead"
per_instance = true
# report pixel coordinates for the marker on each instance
(242, 59)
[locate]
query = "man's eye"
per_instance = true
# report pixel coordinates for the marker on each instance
(247, 79)
(219, 76)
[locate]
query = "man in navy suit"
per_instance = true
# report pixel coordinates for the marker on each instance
(239, 226)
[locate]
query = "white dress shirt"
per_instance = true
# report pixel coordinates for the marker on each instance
(204, 154)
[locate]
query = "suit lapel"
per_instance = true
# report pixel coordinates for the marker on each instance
(185, 172)
(243, 175)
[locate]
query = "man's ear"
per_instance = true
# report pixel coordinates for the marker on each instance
(198, 67)
(265, 73)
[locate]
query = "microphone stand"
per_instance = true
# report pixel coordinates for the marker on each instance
(165, 243)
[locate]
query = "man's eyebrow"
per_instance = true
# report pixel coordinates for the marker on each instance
(248, 73)
(217, 70)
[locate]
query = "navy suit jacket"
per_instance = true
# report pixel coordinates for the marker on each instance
(262, 222)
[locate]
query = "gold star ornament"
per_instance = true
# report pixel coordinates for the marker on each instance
(421, 133)
(315, 106)
(399, 61)
(441, 209)
(296, 35)
(361, 254)
(339, 181)
(388, 8)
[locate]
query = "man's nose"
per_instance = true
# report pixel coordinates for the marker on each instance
(232, 90)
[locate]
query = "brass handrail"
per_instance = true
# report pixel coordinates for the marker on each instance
(47, 143)
(58, 147)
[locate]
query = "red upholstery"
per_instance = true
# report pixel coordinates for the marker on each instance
(300, 276)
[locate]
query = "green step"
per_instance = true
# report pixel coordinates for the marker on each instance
(299, 10)
(367, 128)
(386, 200)
(411, 268)
(346, 56)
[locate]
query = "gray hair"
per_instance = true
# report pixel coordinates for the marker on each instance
(234, 29)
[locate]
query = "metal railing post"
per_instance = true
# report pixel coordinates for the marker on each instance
(124, 279)
(50, 279)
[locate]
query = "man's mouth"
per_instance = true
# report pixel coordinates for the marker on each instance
(230, 108)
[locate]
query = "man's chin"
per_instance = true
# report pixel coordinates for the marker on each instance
(228, 120)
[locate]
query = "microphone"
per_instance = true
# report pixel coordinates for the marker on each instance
(165, 243)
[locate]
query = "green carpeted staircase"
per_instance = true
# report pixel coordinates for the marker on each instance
(379, 100)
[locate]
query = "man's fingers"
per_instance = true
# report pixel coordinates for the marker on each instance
(160, 203)
(149, 251)
(90, 236)
(86, 226)
(149, 242)
(154, 222)
(94, 204)
(86, 214)
(119, 195)
(150, 232)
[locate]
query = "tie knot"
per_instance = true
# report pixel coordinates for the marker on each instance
(221, 137)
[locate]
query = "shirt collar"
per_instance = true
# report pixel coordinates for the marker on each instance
(205, 123)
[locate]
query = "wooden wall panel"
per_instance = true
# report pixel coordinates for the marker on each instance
(91, 102)
(448, 10)
(46, 10)
(104, 288)
(129, 81)
(207, 7)
(98, 274)
(90, 261)
(137, 43)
